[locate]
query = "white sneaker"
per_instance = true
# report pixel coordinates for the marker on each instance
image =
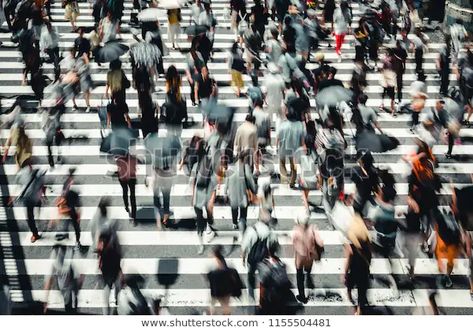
(339, 58)
(208, 229)
(200, 251)
(87, 110)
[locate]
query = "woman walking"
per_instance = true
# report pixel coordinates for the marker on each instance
(341, 26)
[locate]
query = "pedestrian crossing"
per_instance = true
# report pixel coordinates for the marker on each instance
(168, 258)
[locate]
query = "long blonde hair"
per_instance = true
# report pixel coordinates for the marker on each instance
(115, 80)
(173, 82)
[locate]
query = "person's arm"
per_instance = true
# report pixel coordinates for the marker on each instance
(196, 92)
(6, 149)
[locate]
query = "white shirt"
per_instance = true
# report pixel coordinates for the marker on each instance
(274, 86)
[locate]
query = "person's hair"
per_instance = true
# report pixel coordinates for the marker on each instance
(234, 47)
(217, 251)
(366, 159)
(103, 204)
(363, 98)
(115, 80)
(254, 80)
(250, 118)
(173, 82)
(258, 102)
(344, 6)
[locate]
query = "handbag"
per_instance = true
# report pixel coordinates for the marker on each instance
(252, 197)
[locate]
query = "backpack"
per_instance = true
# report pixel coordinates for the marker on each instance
(259, 251)
(31, 194)
(423, 170)
(448, 228)
(204, 171)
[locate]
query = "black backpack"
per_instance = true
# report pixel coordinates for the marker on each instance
(448, 228)
(259, 251)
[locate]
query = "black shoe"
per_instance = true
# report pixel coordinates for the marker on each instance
(448, 155)
(127, 209)
(302, 299)
(309, 283)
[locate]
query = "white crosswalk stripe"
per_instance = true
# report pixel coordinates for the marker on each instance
(173, 251)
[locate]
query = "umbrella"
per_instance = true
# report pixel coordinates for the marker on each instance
(376, 143)
(145, 54)
(111, 51)
(149, 15)
(195, 30)
(465, 207)
(170, 4)
(163, 150)
(220, 114)
(333, 95)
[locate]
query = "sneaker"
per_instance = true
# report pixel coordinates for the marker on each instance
(35, 237)
(87, 110)
(235, 226)
(200, 251)
(339, 58)
(78, 246)
(302, 299)
(448, 155)
(208, 230)
(448, 282)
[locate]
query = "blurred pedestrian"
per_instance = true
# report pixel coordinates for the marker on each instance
(308, 247)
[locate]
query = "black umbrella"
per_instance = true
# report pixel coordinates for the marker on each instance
(376, 143)
(333, 95)
(220, 114)
(195, 30)
(163, 150)
(111, 51)
(465, 207)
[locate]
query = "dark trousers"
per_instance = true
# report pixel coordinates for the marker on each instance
(57, 140)
(166, 201)
(251, 280)
(31, 220)
(415, 118)
(201, 221)
(399, 86)
(419, 59)
(444, 81)
(75, 223)
(53, 54)
(243, 215)
(129, 184)
(451, 140)
(300, 280)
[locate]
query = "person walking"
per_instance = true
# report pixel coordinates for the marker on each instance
(290, 138)
(254, 248)
(246, 140)
(357, 266)
(443, 65)
(174, 26)
(71, 12)
(109, 260)
(241, 189)
(224, 282)
(237, 68)
(127, 178)
(308, 247)
(341, 26)
(203, 182)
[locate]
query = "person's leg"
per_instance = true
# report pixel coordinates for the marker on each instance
(132, 184)
(243, 216)
(235, 216)
(106, 299)
(309, 281)
(451, 140)
(50, 154)
(31, 220)
(251, 281)
(293, 171)
(282, 170)
(300, 282)
(166, 202)
(225, 303)
(200, 227)
(338, 43)
(157, 208)
(75, 225)
(399, 87)
(124, 186)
